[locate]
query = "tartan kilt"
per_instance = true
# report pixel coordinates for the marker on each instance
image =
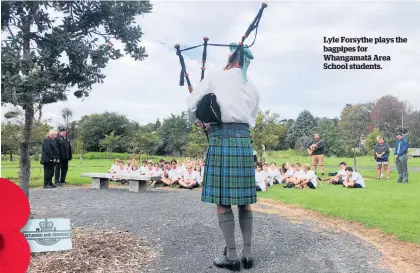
(229, 174)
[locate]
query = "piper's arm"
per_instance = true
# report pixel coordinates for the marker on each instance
(200, 90)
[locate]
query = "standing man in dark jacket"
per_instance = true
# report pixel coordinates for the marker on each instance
(401, 157)
(65, 152)
(49, 158)
(316, 150)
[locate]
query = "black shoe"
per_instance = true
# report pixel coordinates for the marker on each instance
(322, 174)
(248, 262)
(48, 187)
(223, 262)
(54, 186)
(63, 182)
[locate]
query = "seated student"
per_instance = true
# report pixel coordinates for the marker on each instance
(199, 172)
(161, 163)
(340, 177)
(134, 170)
(283, 168)
(149, 170)
(122, 169)
(354, 179)
(114, 166)
(310, 179)
(157, 171)
(189, 179)
(297, 177)
(260, 178)
(175, 173)
(275, 173)
(288, 173)
(143, 167)
(268, 175)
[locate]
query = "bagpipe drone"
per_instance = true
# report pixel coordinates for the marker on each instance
(239, 50)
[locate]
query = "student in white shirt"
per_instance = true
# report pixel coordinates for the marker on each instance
(268, 175)
(175, 173)
(260, 178)
(354, 179)
(275, 173)
(289, 172)
(157, 171)
(190, 179)
(341, 176)
(114, 166)
(143, 167)
(199, 172)
(297, 176)
(310, 179)
(149, 171)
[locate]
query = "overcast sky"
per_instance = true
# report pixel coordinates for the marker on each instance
(288, 64)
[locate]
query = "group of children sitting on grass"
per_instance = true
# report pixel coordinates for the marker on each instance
(300, 176)
(189, 174)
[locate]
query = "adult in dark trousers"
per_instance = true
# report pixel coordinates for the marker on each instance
(401, 157)
(229, 101)
(65, 152)
(49, 158)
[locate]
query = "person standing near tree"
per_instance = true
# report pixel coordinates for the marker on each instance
(49, 157)
(401, 157)
(381, 156)
(65, 153)
(316, 149)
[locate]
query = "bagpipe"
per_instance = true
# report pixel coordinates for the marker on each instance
(239, 50)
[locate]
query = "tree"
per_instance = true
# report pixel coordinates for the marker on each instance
(38, 67)
(110, 142)
(10, 138)
(94, 127)
(353, 124)
(197, 143)
(146, 142)
(387, 114)
(371, 141)
(328, 131)
(174, 134)
(267, 132)
(301, 127)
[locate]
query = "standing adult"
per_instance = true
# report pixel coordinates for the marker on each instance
(49, 157)
(65, 153)
(229, 102)
(401, 157)
(381, 156)
(316, 149)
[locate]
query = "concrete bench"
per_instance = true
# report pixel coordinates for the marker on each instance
(136, 182)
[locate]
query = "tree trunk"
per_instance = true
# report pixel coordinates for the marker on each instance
(11, 157)
(25, 160)
(354, 159)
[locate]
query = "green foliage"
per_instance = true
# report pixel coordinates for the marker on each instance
(267, 132)
(370, 140)
(197, 143)
(94, 128)
(173, 134)
(303, 126)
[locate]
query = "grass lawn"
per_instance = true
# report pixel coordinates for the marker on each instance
(394, 208)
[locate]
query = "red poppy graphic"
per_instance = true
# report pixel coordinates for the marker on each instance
(15, 253)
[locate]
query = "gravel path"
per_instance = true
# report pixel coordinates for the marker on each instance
(185, 231)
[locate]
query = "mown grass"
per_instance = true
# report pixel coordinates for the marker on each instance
(393, 208)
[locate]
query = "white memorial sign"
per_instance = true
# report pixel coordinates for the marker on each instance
(48, 234)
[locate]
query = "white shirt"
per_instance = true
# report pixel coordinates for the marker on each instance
(275, 174)
(342, 174)
(268, 177)
(191, 176)
(198, 176)
(158, 172)
(289, 173)
(238, 101)
(259, 179)
(299, 174)
(358, 179)
(311, 176)
(114, 168)
(175, 173)
(144, 169)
